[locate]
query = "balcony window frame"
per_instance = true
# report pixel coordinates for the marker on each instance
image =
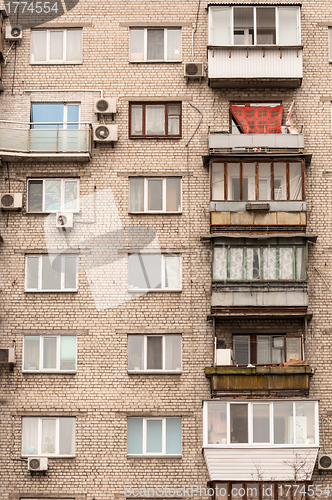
(145, 44)
(41, 355)
(162, 370)
(53, 125)
(62, 191)
(257, 163)
(56, 454)
(48, 46)
(253, 346)
(261, 248)
(40, 269)
(144, 438)
(144, 135)
(164, 195)
(163, 287)
(251, 443)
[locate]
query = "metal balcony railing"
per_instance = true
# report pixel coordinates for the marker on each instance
(50, 137)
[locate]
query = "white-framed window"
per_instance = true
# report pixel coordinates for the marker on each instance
(53, 115)
(51, 273)
(154, 353)
(49, 353)
(155, 44)
(56, 45)
(53, 195)
(155, 194)
(48, 436)
(154, 272)
(260, 25)
(282, 423)
(154, 436)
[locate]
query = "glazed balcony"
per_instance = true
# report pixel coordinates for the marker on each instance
(37, 141)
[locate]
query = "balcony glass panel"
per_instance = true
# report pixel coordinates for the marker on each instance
(243, 26)
(261, 423)
(289, 32)
(265, 181)
(266, 26)
(283, 422)
(295, 181)
(217, 423)
(234, 181)
(249, 185)
(218, 181)
(280, 184)
(239, 423)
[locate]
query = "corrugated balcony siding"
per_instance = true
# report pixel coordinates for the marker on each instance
(221, 141)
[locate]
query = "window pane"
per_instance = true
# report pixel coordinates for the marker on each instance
(48, 436)
(270, 263)
(135, 352)
(249, 185)
(136, 45)
(74, 45)
(295, 181)
(172, 272)
(46, 113)
(155, 119)
(144, 271)
(49, 352)
(261, 423)
(136, 120)
(300, 263)
(286, 263)
(70, 271)
(330, 44)
(35, 196)
(154, 436)
(32, 272)
(155, 194)
(243, 26)
(234, 181)
(51, 272)
(68, 352)
(155, 44)
(293, 348)
(217, 423)
(253, 263)
(173, 352)
(31, 352)
(236, 264)
(38, 45)
(263, 350)
(241, 346)
(220, 29)
(220, 263)
(278, 349)
(67, 436)
(268, 491)
(154, 353)
(266, 25)
(73, 116)
(52, 195)
(134, 436)
(56, 45)
(71, 196)
(221, 490)
(173, 125)
(289, 33)
(218, 181)
(173, 194)
(305, 422)
(264, 170)
(173, 436)
(174, 45)
(280, 191)
(239, 423)
(30, 436)
(283, 423)
(136, 199)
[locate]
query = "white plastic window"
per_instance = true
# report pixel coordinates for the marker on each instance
(51, 273)
(56, 46)
(53, 195)
(48, 436)
(155, 44)
(49, 353)
(155, 194)
(154, 353)
(154, 272)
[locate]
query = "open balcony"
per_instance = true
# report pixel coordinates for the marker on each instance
(38, 141)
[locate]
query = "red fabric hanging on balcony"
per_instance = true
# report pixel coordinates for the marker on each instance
(258, 119)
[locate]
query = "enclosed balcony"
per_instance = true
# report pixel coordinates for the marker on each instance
(254, 47)
(40, 141)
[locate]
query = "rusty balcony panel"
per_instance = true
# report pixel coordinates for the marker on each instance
(264, 311)
(262, 228)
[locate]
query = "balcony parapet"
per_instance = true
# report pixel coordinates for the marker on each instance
(221, 142)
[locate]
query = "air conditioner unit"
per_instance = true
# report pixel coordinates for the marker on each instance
(105, 133)
(13, 33)
(105, 106)
(324, 461)
(37, 463)
(64, 220)
(224, 357)
(7, 356)
(11, 201)
(194, 70)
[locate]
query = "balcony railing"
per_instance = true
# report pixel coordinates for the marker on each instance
(51, 137)
(224, 142)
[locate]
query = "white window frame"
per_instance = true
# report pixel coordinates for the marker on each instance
(48, 47)
(146, 196)
(41, 354)
(145, 44)
(250, 443)
(145, 355)
(144, 438)
(163, 275)
(57, 438)
(63, 186)
(64, 122)
(40, 263)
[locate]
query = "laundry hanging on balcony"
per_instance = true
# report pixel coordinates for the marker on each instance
(258, 119)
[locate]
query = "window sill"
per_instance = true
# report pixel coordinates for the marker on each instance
(50, 372)
(155, 213)
(53, 212)
(141, 290)
(154, 372)
(55, 63)
(51, 291)
(157, 61)
(154, 456)
(177, 137)
(48, 456)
